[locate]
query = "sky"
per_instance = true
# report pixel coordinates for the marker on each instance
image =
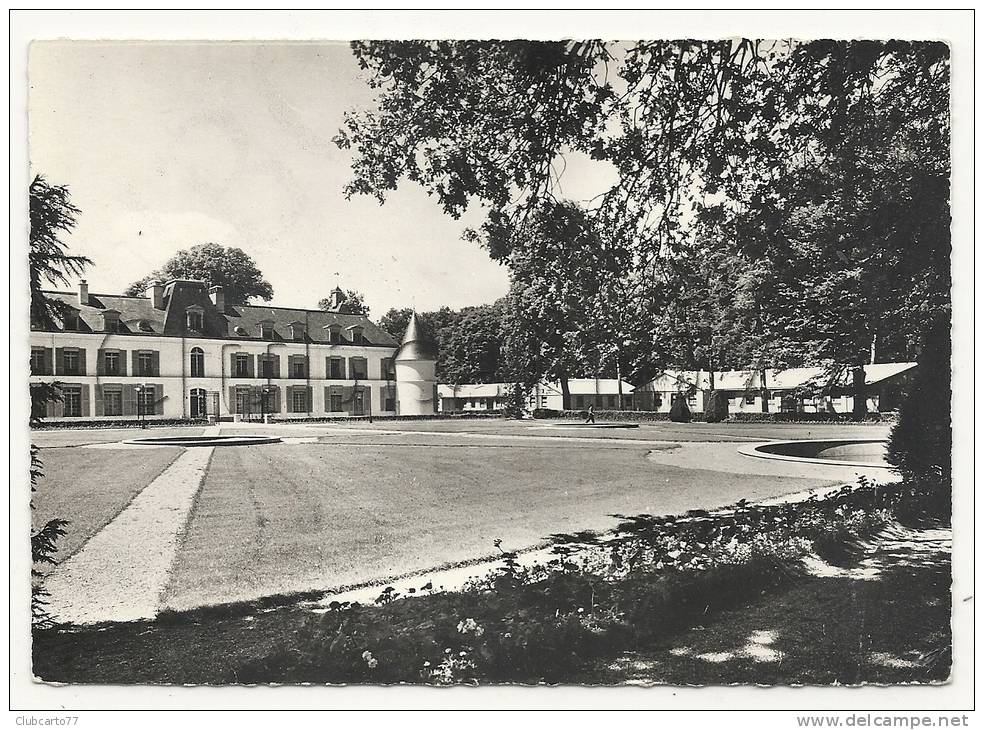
(166, 145)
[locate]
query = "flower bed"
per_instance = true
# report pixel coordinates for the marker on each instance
(148, 422)
(598, 595)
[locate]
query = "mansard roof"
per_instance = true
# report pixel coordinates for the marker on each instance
(181, 294)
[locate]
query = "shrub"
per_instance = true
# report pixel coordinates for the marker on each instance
(920, 443)
(680, 411)
(716, 407)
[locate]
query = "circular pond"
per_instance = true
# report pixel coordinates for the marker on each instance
(835, 452)
(230, 440)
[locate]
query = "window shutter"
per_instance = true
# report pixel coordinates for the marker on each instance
(158, 394)
(232, 364)
(100, 364)
(135, 362)
(276, 400)
(82, 370)
(347, 398)
(100, 411)
(155, 363)
(275, 359)
(250, 366)
(129, 400)
(309, 397)
(59, 361)
(290, 398)
(351, 369)
(122, 361)
(256, 398)
(49, 362)
(327, 399)
(85, 399)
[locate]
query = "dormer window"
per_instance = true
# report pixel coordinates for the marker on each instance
(266, 330)
(71, 320)
(111, 321)
(355, 333)
(195, 319)
(297, 331)
(334, 334)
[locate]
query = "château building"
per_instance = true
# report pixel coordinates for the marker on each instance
(182, 352)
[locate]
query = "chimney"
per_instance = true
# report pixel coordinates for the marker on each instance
(156, 294)
(218, 297)
(336, 300)
(83, 292)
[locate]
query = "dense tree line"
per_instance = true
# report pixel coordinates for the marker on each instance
(778, 203)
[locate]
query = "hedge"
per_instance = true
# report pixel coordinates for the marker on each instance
(348, 419)
(738, 417)
(149, 422)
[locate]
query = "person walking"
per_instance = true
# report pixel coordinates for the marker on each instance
(590, 418)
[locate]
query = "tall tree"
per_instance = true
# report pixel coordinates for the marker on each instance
(354, 303)
(470, 348)
(52, 216)
(228, 267)
(825, 161)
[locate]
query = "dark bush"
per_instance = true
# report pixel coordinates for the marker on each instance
(920, 443)
(716, 407)
(680, 411)
(149, 422)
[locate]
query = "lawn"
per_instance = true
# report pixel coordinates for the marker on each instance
(89, 487)
(888, 625)
(286, 518)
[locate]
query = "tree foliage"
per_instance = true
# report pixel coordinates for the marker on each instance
(216, 265)
(776, 197)
(52, 216)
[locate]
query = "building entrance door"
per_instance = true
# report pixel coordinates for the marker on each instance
(199, 403)
(359, 403)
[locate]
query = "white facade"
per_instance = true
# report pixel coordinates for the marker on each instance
(176, 381)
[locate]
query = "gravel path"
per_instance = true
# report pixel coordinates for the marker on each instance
(121, 573)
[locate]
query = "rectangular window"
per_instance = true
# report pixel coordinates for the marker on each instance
(298, 369)
(336, 368)
(71, 321)
(146, 398)
(267, 366)
(386, 369)
(37, 361)
(359, 368)
(266, 331)
(750, 399)
(543, 401)
(112, 402)
(335, 402)
(390, 404)
(242, 365)
(111, 363)
(70, 361)
(299, 400)
(145, 363)
(112, 325)
(242, 400)
(72, 401)
(579, 401)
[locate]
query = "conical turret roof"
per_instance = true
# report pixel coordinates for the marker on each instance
(417, 343)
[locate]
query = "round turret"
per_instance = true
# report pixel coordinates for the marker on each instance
(415, 364)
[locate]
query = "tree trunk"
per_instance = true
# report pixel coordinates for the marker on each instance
(860, 402)
(763, 391)
(565, 391)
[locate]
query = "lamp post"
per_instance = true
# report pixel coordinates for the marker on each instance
(140, 408)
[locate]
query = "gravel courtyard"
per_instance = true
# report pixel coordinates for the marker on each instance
(342, 504)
